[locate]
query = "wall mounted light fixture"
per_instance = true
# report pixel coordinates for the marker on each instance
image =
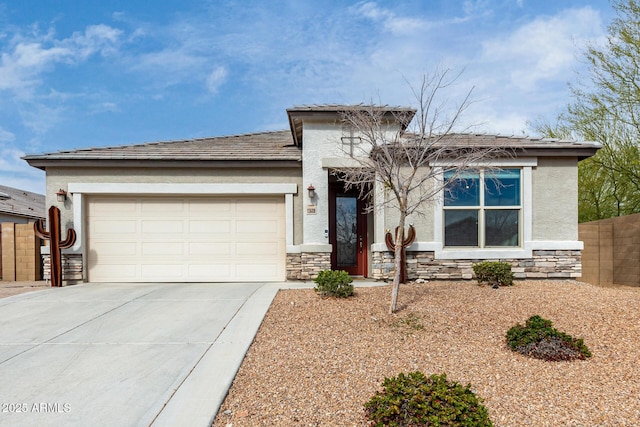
(61, 195)
(312, 191)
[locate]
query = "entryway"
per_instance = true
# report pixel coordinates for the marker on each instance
(348, 230)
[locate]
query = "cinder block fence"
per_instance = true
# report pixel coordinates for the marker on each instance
(611, 252)
(20, 252)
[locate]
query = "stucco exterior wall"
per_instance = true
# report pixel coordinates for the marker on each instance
(555, 199)
(58, 178)
(320, 140)
(422, 219)
(322, 146)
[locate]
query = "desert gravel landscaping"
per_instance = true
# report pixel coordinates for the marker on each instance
(316, 361)
(8, 289)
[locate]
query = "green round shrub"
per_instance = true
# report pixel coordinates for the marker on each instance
(538, 338)
(334, 284)
(494, 273)
(415, 400)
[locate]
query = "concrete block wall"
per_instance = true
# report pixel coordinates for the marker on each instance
(20, 253)
(611, 250)
(8, 251)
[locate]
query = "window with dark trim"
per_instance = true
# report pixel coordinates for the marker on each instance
(483, 209)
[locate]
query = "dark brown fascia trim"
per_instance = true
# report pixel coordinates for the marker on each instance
(580, 152)
(44, 163)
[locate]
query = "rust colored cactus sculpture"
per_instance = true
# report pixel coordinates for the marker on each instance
(406, 242)
(53, 235)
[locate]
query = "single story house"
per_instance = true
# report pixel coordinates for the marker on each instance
(19, 247)
(20, 206)
(266, 207)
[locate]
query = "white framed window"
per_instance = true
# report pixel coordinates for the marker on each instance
(483, 209)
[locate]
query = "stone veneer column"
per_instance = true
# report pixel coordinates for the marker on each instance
(71, 268)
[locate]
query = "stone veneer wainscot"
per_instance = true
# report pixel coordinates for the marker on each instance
(545, 264)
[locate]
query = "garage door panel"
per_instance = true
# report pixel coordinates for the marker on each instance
(140, 239)
(210, 249)
(210, 226)
(208, 270)
(118, 226)
(113, 205)
(204, 206)
(254, 271)
(162, 248)
(113, 272)
(115, 248)
(163, 226)
(257, 207)
(257, 226)
(256, 248)
(162, 207)
(162, 272)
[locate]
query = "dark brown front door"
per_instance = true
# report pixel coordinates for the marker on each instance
(348, 232)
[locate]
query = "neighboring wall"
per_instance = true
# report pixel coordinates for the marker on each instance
(20, 252)
(611, 252)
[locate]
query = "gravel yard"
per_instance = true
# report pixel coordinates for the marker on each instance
(8, 289)
(316, 361)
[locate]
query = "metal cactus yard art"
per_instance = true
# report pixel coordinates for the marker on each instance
(53, 235)
(406, 242)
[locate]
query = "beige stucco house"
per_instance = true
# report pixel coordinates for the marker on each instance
(266, 207)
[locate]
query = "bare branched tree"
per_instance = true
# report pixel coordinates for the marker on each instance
(405, 153)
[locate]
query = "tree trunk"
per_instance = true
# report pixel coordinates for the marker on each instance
(397, 262)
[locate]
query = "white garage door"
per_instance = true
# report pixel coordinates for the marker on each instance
(185, 239)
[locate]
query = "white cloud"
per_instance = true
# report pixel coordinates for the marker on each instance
(543, 49)
(6, 136)
(216, 79)
(96, 38)
(26, 58)
(475, 6)
(10, 159)
(391, 22)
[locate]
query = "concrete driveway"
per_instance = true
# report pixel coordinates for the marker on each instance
(125, 354)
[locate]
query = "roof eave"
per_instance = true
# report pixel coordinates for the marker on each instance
(43, 163)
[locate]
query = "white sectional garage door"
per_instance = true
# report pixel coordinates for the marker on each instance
(185, 239)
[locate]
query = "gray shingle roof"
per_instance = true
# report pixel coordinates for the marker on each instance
(21, 203)
(277, 145)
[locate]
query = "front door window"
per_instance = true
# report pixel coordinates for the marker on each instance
(346, 230)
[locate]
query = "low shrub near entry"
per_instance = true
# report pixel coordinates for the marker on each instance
(494, 273)
(417, 401)
(334, 284)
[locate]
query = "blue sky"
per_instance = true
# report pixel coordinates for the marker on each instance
(83, 73)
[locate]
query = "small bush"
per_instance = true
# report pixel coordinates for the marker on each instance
(494, 273)
(539, 339)
(415, 400)
(411, 321)
(334, 284)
